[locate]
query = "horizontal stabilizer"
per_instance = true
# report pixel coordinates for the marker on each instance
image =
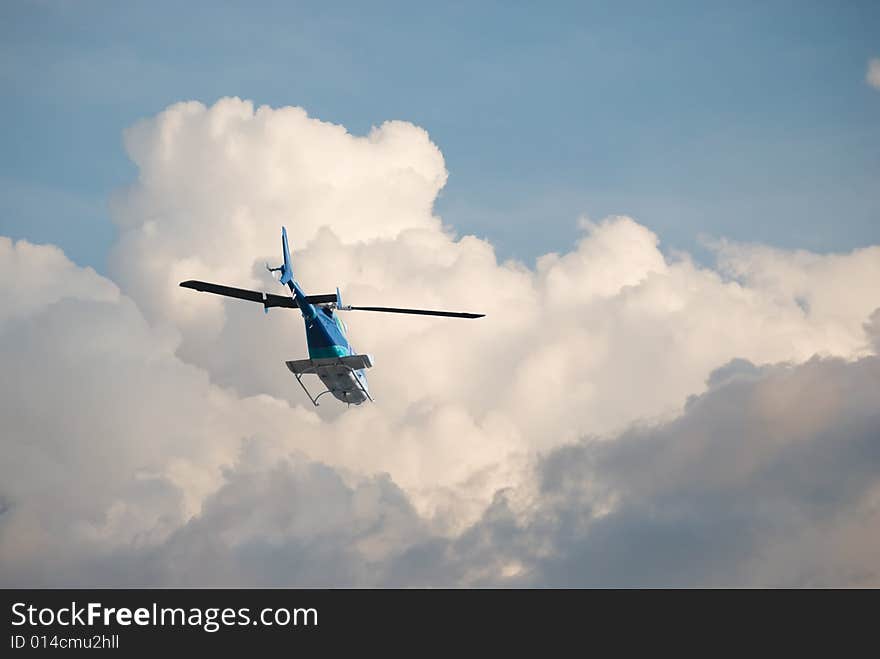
(356, 362)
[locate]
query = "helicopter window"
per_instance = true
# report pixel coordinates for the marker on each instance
(328, 311)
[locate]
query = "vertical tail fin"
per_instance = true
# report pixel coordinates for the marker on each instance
(287, 268)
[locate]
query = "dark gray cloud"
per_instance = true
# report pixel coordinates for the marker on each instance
(771, 477)
(872, 329)
(294, 523)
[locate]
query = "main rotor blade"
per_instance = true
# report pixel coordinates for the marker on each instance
(420, 312)
(268, 299)
(271, 300)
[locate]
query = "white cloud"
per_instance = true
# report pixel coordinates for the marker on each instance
(144, 423)
(768, 478)
(872, 77)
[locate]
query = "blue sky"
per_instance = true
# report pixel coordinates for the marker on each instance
(746, 120)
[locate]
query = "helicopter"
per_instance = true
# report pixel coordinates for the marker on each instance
(331, 357)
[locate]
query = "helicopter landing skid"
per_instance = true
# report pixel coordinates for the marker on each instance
(351, 363)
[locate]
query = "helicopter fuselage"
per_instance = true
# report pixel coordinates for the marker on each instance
(326, 337)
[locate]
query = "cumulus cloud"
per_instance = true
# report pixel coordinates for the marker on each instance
(155, 435)
(872, 77)
(108, 438)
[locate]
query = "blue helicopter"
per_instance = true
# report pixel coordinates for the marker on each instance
(331, 357)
